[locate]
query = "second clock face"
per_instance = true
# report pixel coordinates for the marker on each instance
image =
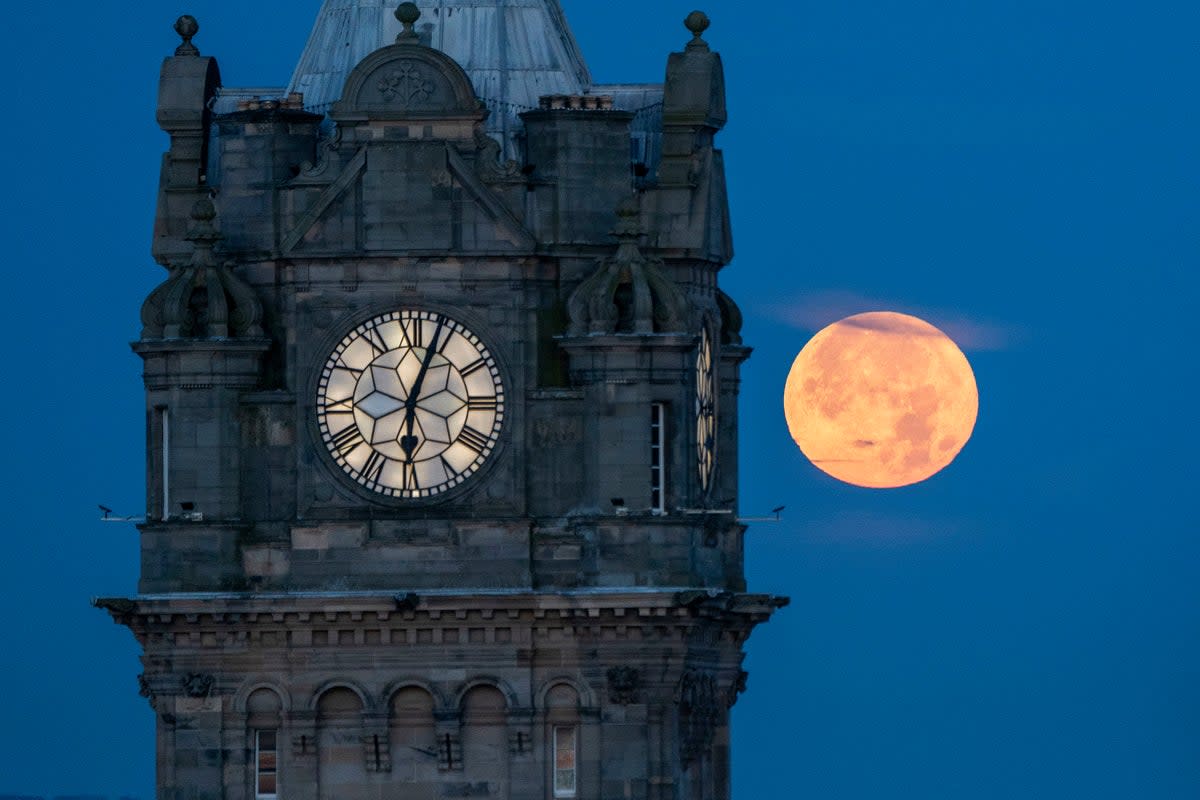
(410, 404)
(706, 412)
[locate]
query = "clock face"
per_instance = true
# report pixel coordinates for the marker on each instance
(706, 412)
(410, 404)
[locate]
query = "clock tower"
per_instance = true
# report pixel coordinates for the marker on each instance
(441, 412)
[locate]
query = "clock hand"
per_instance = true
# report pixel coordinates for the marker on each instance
(409, 442)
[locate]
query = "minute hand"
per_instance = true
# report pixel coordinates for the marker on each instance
(410, 405)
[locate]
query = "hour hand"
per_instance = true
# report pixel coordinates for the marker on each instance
(409, 442)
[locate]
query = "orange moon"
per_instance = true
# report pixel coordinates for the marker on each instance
(881, 400)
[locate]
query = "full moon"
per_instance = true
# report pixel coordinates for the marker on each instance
(881, 400)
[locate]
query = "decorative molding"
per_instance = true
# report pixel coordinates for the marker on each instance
(488, 201)
(352, 172)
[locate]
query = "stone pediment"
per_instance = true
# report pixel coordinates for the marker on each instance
(407, 81)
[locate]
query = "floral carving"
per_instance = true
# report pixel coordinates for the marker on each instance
(406, 85)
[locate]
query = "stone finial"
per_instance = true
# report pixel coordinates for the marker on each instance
(408, 14)
(187, 27)
(202, 232)
(697, 22)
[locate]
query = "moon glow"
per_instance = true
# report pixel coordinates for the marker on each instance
(881, 400)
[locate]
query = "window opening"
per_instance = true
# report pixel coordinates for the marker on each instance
(266, 765)
(564, 761)
(658, 441)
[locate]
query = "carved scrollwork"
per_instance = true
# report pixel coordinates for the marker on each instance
(488, 165)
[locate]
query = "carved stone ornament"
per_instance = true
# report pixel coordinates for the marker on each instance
(628, 293)
(697, 22)
(623, 685)
(406, 84)
(121, 609)
(699, 713)
(408, 14)
(198, 685)
(738, 687)
(203, 299)
(731, 319)
(488, 165)
(187, 27)
(145, 691)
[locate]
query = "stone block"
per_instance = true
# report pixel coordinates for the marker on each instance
(328, 536)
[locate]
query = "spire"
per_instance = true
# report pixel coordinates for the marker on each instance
(515, 51)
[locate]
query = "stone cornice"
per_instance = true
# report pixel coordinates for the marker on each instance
(580, 610)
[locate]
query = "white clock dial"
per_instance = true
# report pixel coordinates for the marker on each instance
(410, 404)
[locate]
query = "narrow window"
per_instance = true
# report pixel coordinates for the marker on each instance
(564, 760)
(266, 765)
(658, 440)
(165, 426)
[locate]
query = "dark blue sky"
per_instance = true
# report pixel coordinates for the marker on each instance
(1023, 174)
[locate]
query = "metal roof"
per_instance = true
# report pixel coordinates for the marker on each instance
(515, 51)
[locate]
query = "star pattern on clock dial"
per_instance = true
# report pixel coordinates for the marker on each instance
(410, 404)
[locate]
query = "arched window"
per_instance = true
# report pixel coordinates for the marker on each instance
(263, 726)
(341, 770)
(562, 738)
(414, 742)
(485, 739)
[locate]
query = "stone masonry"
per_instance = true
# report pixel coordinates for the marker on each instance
(567, 621)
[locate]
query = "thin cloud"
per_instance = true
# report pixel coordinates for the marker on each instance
(815, 310)
(879, 528)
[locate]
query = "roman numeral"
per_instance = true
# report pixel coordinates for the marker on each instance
(473, 367)
(374, 466)
(473, 439)
(410, 477)
(340, 406)
(347, 441)
(451, 472)
(376, 340)
(483, 403)
(357, 373)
